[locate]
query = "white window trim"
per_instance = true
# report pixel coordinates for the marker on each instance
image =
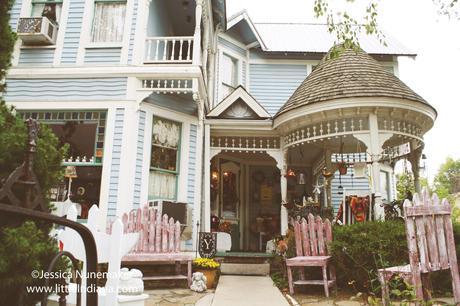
(239, 73)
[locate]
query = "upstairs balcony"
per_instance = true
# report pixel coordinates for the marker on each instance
(169, 49)
(173, 30)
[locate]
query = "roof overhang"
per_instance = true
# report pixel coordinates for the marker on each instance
(243, 16)
(239, 93)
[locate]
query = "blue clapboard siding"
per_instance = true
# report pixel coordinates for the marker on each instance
(232, 46)
(14, 14)
(191, 164)
(139, 160)
(73, 31)
(115, 162)
(192, 147)
(66, 89)
(36, 57)
(348, 183)
(103, 55)
(132, 33)
(273, 84)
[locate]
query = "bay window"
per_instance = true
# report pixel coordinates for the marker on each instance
(164, 162)
(50, 9)
(108, 21)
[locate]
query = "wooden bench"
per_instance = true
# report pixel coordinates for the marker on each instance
(311, 240)
(431, 245)
(159, 241)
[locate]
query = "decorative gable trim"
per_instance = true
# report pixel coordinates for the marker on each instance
(238, 96)
(243, 15)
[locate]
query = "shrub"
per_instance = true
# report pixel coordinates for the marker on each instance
(360, 249)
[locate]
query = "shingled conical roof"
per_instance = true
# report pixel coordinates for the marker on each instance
(353, 73)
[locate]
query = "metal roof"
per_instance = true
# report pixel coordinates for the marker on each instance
(315, 38)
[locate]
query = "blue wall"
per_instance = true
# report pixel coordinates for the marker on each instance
(348, 183)
(132, 33)
(36, 57)
(139, 160)
(158, 23)
(14, 14)
(232, 46)
(66, 89)
(116, 161)
(103, 55)
(73, 31)
(273, 84)
(192, 146)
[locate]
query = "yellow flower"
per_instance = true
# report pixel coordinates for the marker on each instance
(206, 263)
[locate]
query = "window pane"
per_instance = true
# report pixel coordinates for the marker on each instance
(162, 185)
(108, 22)
(50, 10)
(166, 133)
(164, 158)
(229, 71)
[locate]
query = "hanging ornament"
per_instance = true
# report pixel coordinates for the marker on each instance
(290, 173)
(340, 185)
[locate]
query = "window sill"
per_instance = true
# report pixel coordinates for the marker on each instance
(104, 45)
(38, 47)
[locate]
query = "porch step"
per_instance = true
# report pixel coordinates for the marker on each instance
(245, 268)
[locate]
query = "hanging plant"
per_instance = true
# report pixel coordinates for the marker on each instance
(343, 168)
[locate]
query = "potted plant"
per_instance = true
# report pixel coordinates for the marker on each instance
(209, 267)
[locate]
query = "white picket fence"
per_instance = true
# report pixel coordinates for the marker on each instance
(110, 249)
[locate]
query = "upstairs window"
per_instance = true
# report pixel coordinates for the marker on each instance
(108, 22)
(229, 74)
(50, 9)
(164, 164)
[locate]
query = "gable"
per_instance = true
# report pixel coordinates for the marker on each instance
(239, 105)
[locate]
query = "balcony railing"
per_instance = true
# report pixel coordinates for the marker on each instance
(170, 49)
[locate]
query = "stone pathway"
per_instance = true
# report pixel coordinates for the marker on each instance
(247, 291)
(176, 297)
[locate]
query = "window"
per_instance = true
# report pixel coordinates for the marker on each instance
(47, 8)
(108, 22)
(385, 185)
(229, 74)
(164, 163)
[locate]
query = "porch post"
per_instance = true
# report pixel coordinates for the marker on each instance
(414, 158)
(206, 223)
(197, 35)
(283, 183)
(375, 149)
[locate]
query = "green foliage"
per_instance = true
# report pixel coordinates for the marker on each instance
(447, 180)
(279, 279)
(360, 249)
(404, 184)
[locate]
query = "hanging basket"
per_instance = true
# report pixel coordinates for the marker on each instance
(343, 168)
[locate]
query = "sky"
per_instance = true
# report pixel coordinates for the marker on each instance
(434, 73)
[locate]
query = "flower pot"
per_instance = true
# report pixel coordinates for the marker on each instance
(211, 276)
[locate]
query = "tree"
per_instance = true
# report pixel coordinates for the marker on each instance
(447, 180)
(24, 245)
(404, 185)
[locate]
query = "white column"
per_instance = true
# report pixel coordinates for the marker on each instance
(197, 34)
(283, 183)
(375, 149)
(206, 223)
(414, 158)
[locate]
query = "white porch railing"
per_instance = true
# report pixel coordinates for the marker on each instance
(171, 49)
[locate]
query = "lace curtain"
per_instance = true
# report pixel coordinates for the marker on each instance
(108, 22)
(162, 185)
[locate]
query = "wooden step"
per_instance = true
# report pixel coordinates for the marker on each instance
(313, 282)
(164, 277)
(245, 268)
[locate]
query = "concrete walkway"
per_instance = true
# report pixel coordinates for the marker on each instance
(247, 291)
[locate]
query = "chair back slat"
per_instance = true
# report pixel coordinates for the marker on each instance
(312, 236)
(164, 234)
(177, 237)
(158, 233)
(305, 237)
(171, 240)
(151, 240)
(432, 227)
(320, 234)
(312, 232)
(298, 239)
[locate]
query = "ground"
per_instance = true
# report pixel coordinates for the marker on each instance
(186, 297)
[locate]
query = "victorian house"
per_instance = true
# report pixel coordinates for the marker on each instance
(171, 104)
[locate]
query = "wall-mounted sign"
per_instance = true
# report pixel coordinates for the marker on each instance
(207, 244)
